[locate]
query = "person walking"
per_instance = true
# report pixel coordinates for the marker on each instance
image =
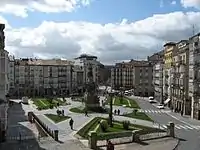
(86, 113)
(118, 112)
(115, 111)
(71, 123)
(110, 145)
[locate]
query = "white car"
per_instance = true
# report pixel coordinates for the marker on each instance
(152, 101)
(160, 106)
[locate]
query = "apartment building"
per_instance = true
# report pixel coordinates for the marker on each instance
(122, 75)
(180, 69)
(167, 72)
(37, 77)
(137, 75)
(143, 78)
(89, 61)
(194, 75)
(78, 83)
(157, 61)
(4, 85)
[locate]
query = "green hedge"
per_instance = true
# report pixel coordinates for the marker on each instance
(91, 125)
(112, 135)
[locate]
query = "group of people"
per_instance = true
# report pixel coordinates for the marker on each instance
(117, 112)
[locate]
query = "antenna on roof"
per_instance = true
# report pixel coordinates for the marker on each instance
(193, 29)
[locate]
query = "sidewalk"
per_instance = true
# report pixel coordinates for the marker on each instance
(158, 144)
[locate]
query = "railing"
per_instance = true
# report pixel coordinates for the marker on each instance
(155, 135)
(18, 138)
(49, 131)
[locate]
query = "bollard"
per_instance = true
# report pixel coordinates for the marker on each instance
(56, 135)
(170, 129)
(92, 142)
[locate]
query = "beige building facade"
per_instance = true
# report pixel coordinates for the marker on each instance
(180, 71)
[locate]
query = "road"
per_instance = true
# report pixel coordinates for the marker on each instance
(186, 129)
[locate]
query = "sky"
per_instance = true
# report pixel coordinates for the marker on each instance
(113, 30)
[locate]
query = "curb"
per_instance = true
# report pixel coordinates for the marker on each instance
(175, 148)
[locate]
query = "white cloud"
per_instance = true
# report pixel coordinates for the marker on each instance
(161, 3)
(173, 2)
(110, 42)
(22, 7)
(191, 3)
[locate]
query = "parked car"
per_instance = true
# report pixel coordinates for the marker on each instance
(151, 100)
(160, 106)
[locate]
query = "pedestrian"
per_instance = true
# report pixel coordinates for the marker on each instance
(20, 137)
(86, 113)
(63, 112)
(110, 145)
(118, 112)
(115, 111)
(71, 123)
(181, 113)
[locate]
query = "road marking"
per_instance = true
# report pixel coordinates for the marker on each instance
(178, 119)
(176, 126)
(188, 127)
(195, 127)
(182, 127)
(164, 126)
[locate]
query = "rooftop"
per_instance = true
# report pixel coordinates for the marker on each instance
(43, 62)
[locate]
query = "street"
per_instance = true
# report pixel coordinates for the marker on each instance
(186, 129)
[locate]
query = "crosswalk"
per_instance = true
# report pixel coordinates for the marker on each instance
(154, 111)
(178, 127)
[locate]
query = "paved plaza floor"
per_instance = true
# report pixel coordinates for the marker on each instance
(18, 125)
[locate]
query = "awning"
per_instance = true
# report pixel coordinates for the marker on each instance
(167, 101)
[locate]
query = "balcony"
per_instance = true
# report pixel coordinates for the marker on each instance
(197, 64)
(196, 93)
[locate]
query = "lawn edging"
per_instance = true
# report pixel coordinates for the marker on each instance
(91, 125)
(56, 118)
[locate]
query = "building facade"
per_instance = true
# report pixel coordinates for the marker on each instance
(180, 69)
(4, 85)
(167, 72)
(158, 81)
(37, 77)
(122, 75)
(194, 75)
(143, 79)
(87, 61)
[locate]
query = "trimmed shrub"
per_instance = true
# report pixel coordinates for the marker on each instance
(104, 125)
(51, 106)
(126, 124)
(135, 111)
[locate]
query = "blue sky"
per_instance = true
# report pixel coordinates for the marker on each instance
(48, 29)
(103, 11)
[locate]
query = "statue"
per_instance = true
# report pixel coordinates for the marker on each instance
(92, 100)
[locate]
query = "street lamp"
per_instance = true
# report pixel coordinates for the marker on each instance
(111, 95)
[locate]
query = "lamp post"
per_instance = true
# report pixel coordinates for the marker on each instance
(111, 94)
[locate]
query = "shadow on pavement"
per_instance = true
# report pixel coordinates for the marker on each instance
(20, 128)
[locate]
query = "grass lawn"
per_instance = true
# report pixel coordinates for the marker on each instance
(56, 118)
(139, 115)
(82, 110)
(125, 101)
(78, 110)
(117, 128)
(44, 103)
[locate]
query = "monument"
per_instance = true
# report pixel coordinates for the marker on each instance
(91, 97)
